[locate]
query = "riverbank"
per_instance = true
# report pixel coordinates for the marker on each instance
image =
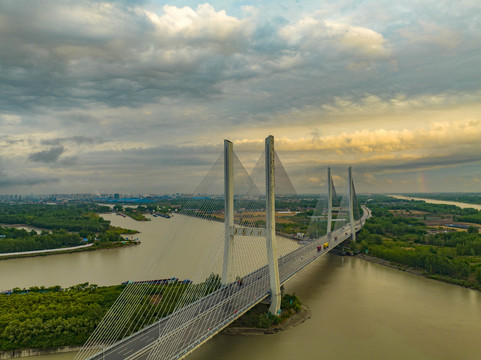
(70, 250)
(13, 354)
(390, 264)
(438, 202)
(295, 320)
(33, 252)
(418, 272)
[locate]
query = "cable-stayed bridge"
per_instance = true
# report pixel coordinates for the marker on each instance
(169, 319)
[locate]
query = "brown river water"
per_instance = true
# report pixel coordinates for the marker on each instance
(360, 310)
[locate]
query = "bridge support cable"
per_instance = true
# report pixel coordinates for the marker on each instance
(189, 293)
(114, 326)
(324, 214)
(212, 298)
(239, 263)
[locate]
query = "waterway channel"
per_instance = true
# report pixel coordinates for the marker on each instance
(434, 201)
(359, 309)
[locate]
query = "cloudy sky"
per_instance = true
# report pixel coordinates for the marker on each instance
(138, 96)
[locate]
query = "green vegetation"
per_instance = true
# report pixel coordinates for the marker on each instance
(21, 240)
(398, 236)
(134, 213)
(79, 218)
(471, 218)
(469, 198)
(67, 225)
(260, 317)
(51, 317)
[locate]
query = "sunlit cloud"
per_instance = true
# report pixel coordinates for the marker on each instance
(122, 94)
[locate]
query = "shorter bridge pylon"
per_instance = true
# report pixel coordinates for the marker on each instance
(351, 204)
(329, 202)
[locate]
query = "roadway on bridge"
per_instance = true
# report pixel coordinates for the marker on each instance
(176, 337)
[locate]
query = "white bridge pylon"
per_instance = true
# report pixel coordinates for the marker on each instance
(270, 230)
(333, 213)
(232, 231)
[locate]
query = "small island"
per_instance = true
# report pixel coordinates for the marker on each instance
(259, 321)
(41, 229)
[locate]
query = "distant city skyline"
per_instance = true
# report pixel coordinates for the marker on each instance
(138, 96)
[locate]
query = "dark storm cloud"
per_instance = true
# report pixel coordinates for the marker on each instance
(81, 119)
(390, 165)
(427, 162)
(47, 156)
(25, 181)
(68, 161)
(58, 56)
(7, 180)
(79, 140)
(156, 157)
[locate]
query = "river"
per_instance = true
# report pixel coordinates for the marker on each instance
(166, 250)
(359, 309)
(434, 201)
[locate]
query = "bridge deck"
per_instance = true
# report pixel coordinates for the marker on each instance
(173, 338)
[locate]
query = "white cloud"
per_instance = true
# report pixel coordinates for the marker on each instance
(204, 26)
(428, 33)
(319, 34)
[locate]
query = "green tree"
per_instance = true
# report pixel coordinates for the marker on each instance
(473, 230)
(477, 274)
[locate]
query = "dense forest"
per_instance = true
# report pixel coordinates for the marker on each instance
(80, 217)
(62, 226)
(52, 317)
(449, 255)
(45, 318)
(20, 240)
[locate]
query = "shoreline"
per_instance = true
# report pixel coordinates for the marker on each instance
(390, 264)
(60, 251)
(293, 321)
(33, 252)
(13, 354)
(414, 271)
